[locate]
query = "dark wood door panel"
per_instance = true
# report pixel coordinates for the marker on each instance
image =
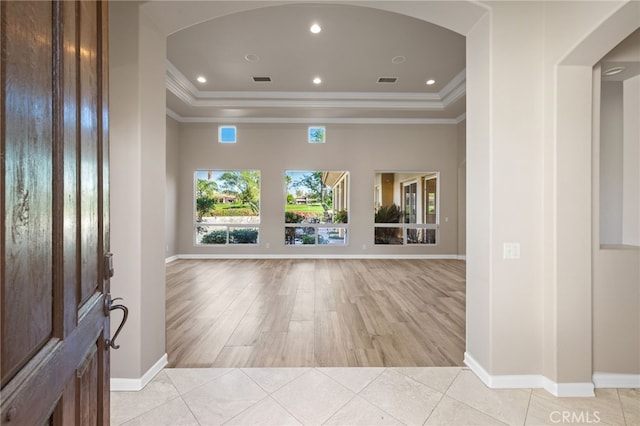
(33, 394)
(27, 124)
(91, 239)
(54, 233)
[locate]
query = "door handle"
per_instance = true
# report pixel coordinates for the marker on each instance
(125, 313)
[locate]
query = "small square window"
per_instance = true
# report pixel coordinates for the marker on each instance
(317, 134)
(227, 134)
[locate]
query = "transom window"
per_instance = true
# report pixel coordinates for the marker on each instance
(227, 134)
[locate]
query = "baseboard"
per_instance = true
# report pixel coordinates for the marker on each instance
(462, 257)
(134, 385)
(616, 380)
(313, 256)
(528, 381)
(171, 259)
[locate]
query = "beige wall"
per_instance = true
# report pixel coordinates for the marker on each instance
(362, 150)
(171, 192)
(462, 188)
(529, 174)
(137, 144)
(616, 268)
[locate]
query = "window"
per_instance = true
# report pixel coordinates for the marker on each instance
(406, 208)
(317, 134)
(227, 207)
(316, 208)
(227, 134)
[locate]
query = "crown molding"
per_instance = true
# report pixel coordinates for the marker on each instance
(181, 87)
(311, 120)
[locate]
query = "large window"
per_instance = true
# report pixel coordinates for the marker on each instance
(316, 207)
(406, 208)
(227, 207)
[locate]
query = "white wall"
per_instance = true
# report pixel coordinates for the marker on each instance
(362, 150)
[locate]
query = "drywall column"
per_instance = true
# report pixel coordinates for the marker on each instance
(631, 163)
(479, 193)
(573, 219)
(137, 136)
(570, 276)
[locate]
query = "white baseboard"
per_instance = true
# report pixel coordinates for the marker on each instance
(312, 256)
(134, 385)
(616, 380)
(171, 259)
(529, 381)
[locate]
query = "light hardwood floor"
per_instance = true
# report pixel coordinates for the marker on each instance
(315, 312)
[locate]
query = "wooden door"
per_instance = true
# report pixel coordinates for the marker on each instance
(54, 211)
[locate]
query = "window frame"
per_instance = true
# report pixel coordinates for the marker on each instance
(228, 226)
(344, 192)
(420, 178)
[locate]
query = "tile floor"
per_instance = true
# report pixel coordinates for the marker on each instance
(356, 396)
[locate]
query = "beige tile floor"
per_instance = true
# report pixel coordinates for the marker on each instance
(357, 396)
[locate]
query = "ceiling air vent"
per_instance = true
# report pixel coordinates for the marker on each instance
(262, 79)
(387, 79)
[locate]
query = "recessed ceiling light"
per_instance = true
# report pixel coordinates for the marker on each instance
(613, 71)
(317, 80)
(315, 28)
(430, 82)
(201, 79)
(251, 57)
(398, 59)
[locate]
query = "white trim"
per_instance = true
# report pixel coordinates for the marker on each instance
(315, 256)
(529, 381)
(134, 385)
(616, 380)
(462, 257)
(579, 389)
(298, 120)
(171, 259)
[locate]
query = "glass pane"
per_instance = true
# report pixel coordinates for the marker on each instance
(317, 134)
(227, 134)
(211, 234)
(421, 236)
(243, 235)
(228, 196)
(332, 236)
(299, 236)
(388, 236)
(316, 196)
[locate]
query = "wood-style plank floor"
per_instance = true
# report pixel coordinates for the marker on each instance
(315, 313)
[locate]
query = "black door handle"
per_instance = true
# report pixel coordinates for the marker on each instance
(125, 314)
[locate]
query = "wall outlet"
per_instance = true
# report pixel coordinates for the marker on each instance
(511, 251)
(267, 245)
(364, 247)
